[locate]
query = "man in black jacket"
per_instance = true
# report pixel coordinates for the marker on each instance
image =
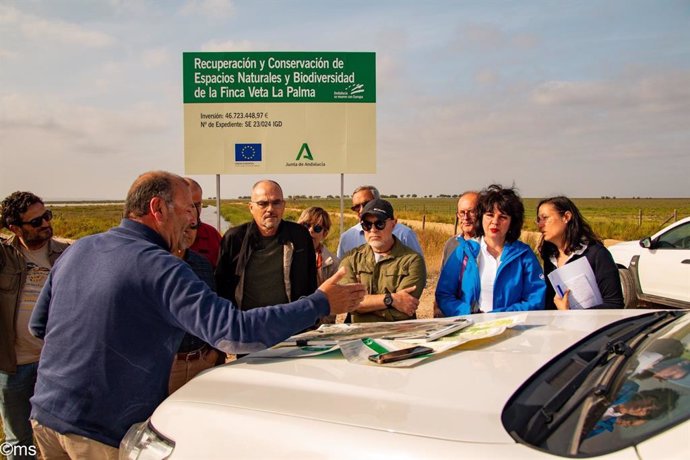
(267, 261)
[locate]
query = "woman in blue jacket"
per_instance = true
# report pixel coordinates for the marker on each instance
(497, 272)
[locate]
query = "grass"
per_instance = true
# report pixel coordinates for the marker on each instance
(611, 218)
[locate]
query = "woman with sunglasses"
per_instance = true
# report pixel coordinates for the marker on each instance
(498, 272)
(318, 222)
(565, 237)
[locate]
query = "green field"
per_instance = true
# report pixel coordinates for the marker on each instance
(616, 219)
(611, 218)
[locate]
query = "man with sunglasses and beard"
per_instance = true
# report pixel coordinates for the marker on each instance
(354, 236)
(268, 260)
(393, 274)
(25, 261)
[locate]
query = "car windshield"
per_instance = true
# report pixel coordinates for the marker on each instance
(614, 389)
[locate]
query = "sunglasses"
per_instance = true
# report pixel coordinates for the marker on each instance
(38, 221)
(357, 207)
(263, 204)
(379, 224)
(317, 228)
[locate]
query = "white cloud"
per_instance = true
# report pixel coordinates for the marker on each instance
(486, 77)
(52, 31)
(155, 57)
(7, 54)
(210, 8)
(229, 45)
(85, 129)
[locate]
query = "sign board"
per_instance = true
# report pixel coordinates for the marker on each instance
(279, 112)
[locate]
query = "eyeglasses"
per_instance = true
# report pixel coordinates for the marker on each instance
(358, 207)
(467, 213)
(317, 228)
(543, 219)
(379, 224)
(263, 204)
(38, 221)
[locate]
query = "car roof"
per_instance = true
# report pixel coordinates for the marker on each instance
(457, 396)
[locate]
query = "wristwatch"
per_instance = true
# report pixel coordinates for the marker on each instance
(388, 300)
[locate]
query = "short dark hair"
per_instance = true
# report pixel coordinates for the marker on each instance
(14, 206)
(577, 230)
(148, 186)
(508, 202)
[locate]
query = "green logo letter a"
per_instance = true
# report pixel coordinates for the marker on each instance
(307, 153)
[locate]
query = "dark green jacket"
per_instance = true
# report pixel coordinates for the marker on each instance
(401, 269)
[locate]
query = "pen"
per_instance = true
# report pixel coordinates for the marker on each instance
(560, 290)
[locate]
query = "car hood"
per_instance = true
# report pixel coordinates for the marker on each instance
(457, 396)
(623, 252)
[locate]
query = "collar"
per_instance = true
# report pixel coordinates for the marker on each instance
(396, 251)
(578, 252)
(484, 249)
(143, 231)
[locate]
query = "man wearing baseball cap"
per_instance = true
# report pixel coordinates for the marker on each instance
(393, 274)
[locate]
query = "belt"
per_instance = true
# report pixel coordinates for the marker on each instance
(192, 355)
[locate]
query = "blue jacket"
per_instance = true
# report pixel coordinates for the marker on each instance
(113, 312)
(519, 283)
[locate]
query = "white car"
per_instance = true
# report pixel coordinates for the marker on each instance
(539, 390)
(656, 270)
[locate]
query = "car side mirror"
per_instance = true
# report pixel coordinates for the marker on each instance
(646, 242)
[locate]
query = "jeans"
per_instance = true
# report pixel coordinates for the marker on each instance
(15, 409)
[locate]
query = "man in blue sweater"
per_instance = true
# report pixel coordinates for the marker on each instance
(114, 310)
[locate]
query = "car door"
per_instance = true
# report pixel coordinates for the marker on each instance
(664, 269)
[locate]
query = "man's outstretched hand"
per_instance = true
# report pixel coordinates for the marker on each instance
(343, 298)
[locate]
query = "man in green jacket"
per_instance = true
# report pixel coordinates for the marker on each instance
(393, 274)
(25, 261)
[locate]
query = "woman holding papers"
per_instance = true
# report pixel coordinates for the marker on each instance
(566, 238)
(498, 272)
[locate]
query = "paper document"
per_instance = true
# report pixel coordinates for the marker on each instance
(425, 330)
(579, 278)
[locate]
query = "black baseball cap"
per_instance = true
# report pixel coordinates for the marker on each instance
(381, 209)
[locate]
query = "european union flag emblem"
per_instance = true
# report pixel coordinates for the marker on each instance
(247, 152)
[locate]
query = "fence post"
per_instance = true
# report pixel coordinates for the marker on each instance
(675, 215)
(639, 218)
(423, 221)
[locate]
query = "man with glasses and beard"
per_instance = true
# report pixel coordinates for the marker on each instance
(393, 274)
(25, 261)
(354, 236)
(268, 260)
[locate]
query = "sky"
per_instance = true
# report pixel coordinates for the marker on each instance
(585, 98)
